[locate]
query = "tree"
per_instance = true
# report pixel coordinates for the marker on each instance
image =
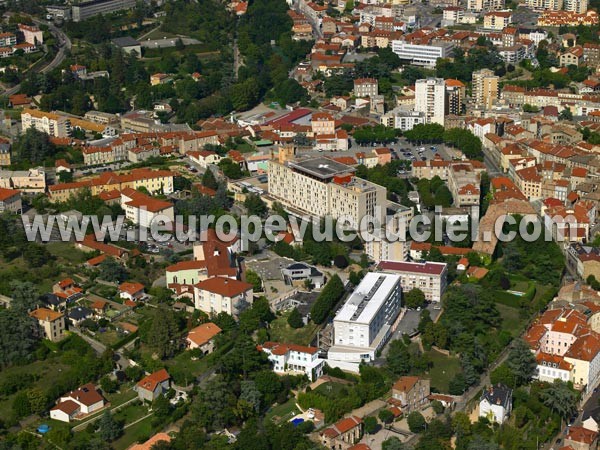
(108, 384)
(209, 180)
(480, 443)
(392, 443)
(560, 398)
(416, 422)
(371, 425)
(386, 416)
(33, 146)
(443, 196)
(565, 114)
(20, 405)
(327, 299)
(108, 428)
(250, 395)
(111, 270)
(414, 298)
(161, 333)
(295, 319)
(37, 400)
(255, 205)
(254, 279)
(25, 296)
(503, 375)
(16, 340)
(521, 362)
(437, 406)
(398, 358)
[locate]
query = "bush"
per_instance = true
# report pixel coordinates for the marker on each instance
(295, 319)
(416, 422)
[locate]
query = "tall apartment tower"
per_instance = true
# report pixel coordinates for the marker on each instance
(430, 99)
(455, 96)
(487, 5)
(576, 6)
(485, 88)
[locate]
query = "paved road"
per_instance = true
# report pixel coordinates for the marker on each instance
(64, 43)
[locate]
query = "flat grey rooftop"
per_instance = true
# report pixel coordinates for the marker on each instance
(324, 168)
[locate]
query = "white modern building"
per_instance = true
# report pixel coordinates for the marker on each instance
(402, 119)
(365, 322)
(294, 359)
(430, 99)
(421, 55)
(429, 277)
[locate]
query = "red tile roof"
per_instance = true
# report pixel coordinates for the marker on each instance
(150, 382)
(224, 286)
(203, 333)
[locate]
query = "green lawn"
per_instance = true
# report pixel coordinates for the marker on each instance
(281, 332)
(185, 369)
(283, 412)
(131, 413)
(141, 431)
(330, 389)
(443, 370)
(511, 319)
(109, 337)
(66, 251)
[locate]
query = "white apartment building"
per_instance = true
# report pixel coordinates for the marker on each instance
(217, 294)
(487, 5)
(402, 119)
(49, 123)
(554, 5)
(364, 323)
(143, 210)
(429, 277)
(430, 99)
(576, 6)
(294, 359)
(421, 55)
(322, 187)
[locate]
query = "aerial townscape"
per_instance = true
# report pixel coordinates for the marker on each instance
(298, 225)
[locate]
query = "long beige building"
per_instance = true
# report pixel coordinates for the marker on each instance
(46, 122)
(322, 187)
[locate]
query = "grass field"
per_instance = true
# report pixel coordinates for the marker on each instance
(444, 368)
(511, 319)
(66, 251)
(283, 412)
(141, 431)
(108, 337)
(282, 332)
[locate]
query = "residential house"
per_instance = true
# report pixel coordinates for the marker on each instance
(79, 314)
(411, 393)
(132, 291)
(580, 438)
(154, 385)
(10, 200)
(343, 434)
(495, 403)
(78, 403)
(51, 324)
(218, 294)
(202, 337)
(294, 359)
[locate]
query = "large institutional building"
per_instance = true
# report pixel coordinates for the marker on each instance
(364, 323)
(429, 277)
(322, 187)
